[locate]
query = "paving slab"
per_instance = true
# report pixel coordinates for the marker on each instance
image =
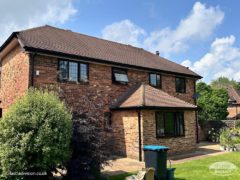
(119, 165)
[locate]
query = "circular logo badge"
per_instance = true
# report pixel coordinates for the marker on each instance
(223, 168)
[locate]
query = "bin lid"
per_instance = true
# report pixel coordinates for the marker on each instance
(155, 148)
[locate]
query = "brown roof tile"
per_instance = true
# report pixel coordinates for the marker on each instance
(148, 96)
(70, 43)
(234, 94)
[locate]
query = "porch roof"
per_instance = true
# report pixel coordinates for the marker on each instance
(147, 97)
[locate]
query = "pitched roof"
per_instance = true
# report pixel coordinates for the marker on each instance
(234, 94)
(55, 40)
(144, 96)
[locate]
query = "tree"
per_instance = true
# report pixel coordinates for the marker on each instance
(88, 148)
(224, 82)
(35, 134)
(212, 102)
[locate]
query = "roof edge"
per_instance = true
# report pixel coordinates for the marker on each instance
(55, 53)
(154, 108)
(9, 39)
(124, 96)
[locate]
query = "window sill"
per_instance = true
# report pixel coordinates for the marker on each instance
(74, 82)
(168, 137)
(120, 83)
(181, 92)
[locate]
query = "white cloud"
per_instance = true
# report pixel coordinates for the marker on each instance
(124, 32)
(223, 59)
(198, 25)
(17, 15)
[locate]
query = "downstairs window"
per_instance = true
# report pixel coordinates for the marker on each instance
(169, 124)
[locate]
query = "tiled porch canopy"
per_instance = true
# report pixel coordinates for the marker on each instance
(147, 97)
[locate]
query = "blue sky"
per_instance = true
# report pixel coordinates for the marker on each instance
(203, 35)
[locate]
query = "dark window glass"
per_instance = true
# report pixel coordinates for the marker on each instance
(73, 71)
(83, 72)
(120, 76)
(160, 124)
(155, 80)
(63, 70)
(107, 120)
(169, 124)
(179, 124)
(180, 85)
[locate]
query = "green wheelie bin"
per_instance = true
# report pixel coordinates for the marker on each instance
(156, 157)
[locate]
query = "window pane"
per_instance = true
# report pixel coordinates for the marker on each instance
(73, 71)
(180, 84)
(63, 70)
(121, 77)
(158, 80)
(153, 79)
(169, 124)
(179, 127)
(160, 124)
(83, 72)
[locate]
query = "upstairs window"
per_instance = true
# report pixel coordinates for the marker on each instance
(83, 72)
(73, 71)
(63, 70)
(169, 124)
(119, 76)
(180, 85)
(155, 80)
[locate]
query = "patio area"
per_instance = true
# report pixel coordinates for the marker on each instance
(123, 165)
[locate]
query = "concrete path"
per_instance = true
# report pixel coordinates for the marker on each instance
(204, 150)
(121, 165)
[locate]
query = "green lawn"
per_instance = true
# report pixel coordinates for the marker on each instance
(199, 169)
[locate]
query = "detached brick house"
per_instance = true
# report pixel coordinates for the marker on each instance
(234, 103)
(140, 97)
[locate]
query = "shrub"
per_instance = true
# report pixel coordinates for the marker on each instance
(35, 134)
(238, 125)
(88, 148)
(230, 137)
(225, 137)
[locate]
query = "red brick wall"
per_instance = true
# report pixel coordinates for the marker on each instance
(125, 133)
(233, 111)
(14, 77)
(91, 98)
(94, 98)
(176, 144)
(100, 90)
(168, 85)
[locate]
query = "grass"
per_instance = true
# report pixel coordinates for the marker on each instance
(199, 169)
